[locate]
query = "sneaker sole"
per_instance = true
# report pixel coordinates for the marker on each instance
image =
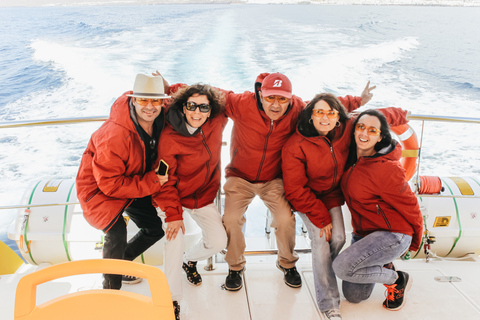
(232, 289)
(132, 282)
(288, 284)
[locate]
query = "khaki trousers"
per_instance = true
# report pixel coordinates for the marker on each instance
(239, 193)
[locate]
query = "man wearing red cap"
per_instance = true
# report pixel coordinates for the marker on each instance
(262, 122)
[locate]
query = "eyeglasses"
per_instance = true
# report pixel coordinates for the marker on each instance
(192, 106)
(278, 98)
(144, 102)
(329, 113)
(371, 131)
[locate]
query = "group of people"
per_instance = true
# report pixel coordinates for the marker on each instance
(296, 157)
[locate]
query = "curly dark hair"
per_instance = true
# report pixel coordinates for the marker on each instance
(307, 128)
(384, 133)
(215, 97)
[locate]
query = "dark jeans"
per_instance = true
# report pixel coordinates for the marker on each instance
(144, 215)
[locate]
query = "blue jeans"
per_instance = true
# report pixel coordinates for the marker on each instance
(323, 253)
(360, 265)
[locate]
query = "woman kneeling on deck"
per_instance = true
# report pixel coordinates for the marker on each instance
(191, 145)
(386, 218)
(313, 161)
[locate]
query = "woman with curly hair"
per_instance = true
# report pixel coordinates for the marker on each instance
(190, 145)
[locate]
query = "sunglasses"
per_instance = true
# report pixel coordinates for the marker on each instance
(371, 131)
(329, 113)
(192, 106)
(278, 98)
(144, 102)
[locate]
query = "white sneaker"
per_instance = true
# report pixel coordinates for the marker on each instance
(333, 314)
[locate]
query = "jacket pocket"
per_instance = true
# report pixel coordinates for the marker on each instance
(93, 195)
(380, 211)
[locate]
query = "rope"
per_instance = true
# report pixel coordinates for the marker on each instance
(430, 185)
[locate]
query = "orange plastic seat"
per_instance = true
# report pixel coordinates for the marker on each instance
(95, 304)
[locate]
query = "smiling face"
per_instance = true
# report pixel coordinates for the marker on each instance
(322, 123)
(274, 108)
(196, 118)
(365, 137)
(147, 111)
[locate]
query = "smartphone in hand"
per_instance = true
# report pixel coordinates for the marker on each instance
(162, 168)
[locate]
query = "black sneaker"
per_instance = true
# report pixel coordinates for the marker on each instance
(191, 271)
(234, 282)
(130, 279)
(292, 277)
(176, 310)
(396, 292)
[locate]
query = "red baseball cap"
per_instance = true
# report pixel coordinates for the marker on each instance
(276, 84)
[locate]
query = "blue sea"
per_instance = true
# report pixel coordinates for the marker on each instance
(60, 62)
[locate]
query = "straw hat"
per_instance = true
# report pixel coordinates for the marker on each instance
(149, 87)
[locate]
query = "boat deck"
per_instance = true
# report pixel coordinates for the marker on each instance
(265, 296)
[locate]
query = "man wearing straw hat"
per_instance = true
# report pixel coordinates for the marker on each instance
(117, 174)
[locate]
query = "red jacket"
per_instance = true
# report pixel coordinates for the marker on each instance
(379, 198)
(194, 165)
(112, 169)
(257, 141)
(313, 167)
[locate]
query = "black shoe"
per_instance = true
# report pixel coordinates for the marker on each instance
(191, 271)
(292, 277)
(234, 282)
(396, 292)
(176, 309)
(130, 279)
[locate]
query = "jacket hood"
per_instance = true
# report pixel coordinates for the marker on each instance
(179, 124)
(392, 152)
(258, 86)
(120, 112)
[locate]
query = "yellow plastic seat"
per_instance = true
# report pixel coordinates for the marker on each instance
(95, 304)
(10, 261)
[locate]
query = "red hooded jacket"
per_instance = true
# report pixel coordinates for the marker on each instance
(257, 141)
(112, 169)
(379, 198)
(194, 164)
(313, 167)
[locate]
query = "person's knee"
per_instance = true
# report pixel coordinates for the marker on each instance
(337, 242)
(354, 298)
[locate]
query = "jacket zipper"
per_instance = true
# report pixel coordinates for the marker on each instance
(380, 211)
(264, 151)
(334, 161)
(207, 164)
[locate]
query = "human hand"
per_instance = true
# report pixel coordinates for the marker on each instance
(172, 229)
(327, 231)
(366, 94)
(166, 85)
(162, 179)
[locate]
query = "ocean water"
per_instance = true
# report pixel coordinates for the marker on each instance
(59, 62)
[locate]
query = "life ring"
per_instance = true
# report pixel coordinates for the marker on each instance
(410, 150)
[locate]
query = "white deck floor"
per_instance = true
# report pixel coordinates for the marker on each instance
(264, 295)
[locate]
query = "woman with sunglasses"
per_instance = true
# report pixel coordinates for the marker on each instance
(190, 145)
(313, 162)
(386, 218)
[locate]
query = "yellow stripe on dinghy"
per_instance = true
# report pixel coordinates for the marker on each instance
(9, 260)
(463, 186)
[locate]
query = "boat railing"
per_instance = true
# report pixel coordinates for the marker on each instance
(65, 121)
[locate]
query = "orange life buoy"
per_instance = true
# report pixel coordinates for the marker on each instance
(410, 150)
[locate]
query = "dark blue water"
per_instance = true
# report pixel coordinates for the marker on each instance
(74, 61)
